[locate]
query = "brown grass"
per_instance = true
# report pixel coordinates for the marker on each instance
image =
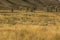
(33, 27)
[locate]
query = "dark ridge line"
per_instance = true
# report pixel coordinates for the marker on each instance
(34, 5)
(10, 2)
(15, 4)
(40, 2)
(28, 2)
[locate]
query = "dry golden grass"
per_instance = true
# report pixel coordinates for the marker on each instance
(21, 29)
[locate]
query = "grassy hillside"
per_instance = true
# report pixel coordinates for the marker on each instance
(26, 25)
(30, 26)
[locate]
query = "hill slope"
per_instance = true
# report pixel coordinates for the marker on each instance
(37, 4)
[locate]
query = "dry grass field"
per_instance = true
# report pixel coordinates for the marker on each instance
(30, 26)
